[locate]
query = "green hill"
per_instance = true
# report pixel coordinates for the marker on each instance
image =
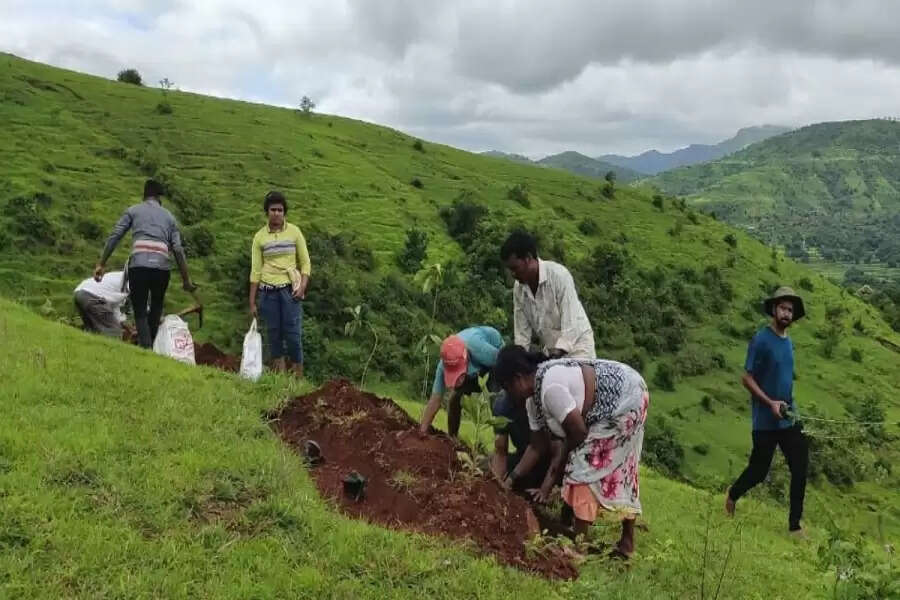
(580, 164)
(669, 290)
(116, 486)
(831, 190)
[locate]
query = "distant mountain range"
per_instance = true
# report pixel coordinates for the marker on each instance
(652, 162)
(573, 162)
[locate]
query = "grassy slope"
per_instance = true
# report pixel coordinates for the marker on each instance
(101, 468)
(74, 137)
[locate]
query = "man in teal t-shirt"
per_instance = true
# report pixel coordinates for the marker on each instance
(769, 376)
(464, 357)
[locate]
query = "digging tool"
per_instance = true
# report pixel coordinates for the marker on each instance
(197, 307)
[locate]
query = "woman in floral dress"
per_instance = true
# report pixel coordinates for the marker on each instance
(599, 408)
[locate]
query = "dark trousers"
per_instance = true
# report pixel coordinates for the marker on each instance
(146, 283)
(795, 448)
(283, 316)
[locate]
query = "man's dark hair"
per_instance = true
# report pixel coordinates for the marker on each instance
(520, 244)
(153, 189)
(274, 197)
(513, 361)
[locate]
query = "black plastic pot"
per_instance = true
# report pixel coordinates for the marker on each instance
(313, 453)
(355, 485)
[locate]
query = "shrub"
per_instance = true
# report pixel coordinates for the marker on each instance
(89, 230)
(462, 218)
(858, 326)
(588, 227)
(608, 190)
(417, 145)
(661, 448)
(199, 240)
(706, 403)
(856, 355)
(665, 377)
(417, 183)
(658, 201)
(730, 239)
(414, 251)
(693, 218)
(519, 193)
(164, 108)
(806, 284)
(701, 449)
(129, 76)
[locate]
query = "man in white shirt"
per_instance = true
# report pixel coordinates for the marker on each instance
(100, 303)
(545, 302)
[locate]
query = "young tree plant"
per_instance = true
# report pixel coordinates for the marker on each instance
(430, 278)
(358, 321)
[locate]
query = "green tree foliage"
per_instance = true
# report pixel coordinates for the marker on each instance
(414, 251)
(129, 76)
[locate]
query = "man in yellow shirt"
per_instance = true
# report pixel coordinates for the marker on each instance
(279, 274)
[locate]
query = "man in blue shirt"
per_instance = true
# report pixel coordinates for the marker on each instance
(464, 357)
(769, 376)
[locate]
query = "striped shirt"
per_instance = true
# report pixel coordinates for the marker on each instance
(154, 233)
(274, 253)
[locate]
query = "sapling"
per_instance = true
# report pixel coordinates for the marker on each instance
(430, 278)
(356, 322)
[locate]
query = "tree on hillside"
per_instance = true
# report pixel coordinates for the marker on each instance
(610, 176)
(129, 76)
(306, 106)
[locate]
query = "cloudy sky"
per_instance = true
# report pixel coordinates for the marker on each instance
(529, 76)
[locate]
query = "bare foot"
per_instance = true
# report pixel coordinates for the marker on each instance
(729, 503)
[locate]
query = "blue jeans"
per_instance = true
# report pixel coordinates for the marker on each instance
(283, 317)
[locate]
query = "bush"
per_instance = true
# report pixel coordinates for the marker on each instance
(701, 449)
(199, 240)
(706, 403)
(588, 227)
(856, 355)
(665, 377)
(661, 448)
(519, 193)
(608, 190)
(129, 76)
(89, 230)
(806, 284)
(414, 251)
(730, 239)
(658, 201)
(164, 108)
(462, 218)
(417, 145)
(417, 183)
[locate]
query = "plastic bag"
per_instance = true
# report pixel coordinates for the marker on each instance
(174, 340)
(251, 358)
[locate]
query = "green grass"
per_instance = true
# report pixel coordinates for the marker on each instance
(125, 474)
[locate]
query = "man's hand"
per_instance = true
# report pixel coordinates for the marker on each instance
(779, 408)
(299, 293)
(507, 482)
(98, 273)
(253, 311)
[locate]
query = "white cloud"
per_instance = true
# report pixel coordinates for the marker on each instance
(534, 77)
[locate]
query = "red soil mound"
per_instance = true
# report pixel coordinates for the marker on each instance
(412, 482)
(208, 354)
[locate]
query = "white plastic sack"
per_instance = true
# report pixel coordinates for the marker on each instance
(251, 358)
(174, 339)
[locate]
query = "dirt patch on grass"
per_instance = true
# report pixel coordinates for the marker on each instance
(208, 354)
(412, 483)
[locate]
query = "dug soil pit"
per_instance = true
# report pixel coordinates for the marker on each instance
(208, 354)
(412, 482)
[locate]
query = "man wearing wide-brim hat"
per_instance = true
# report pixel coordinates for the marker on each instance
(769, 376)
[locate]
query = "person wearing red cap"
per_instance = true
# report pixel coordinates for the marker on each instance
(464, 357)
